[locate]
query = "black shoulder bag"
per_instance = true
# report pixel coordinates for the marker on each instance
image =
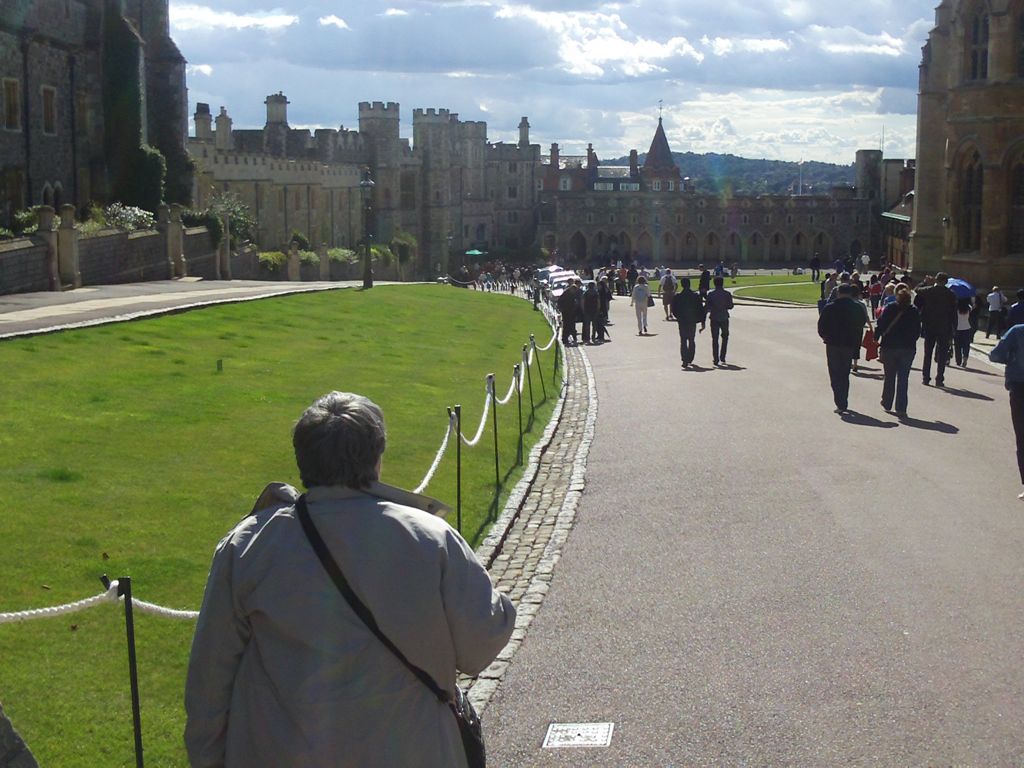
(470, 727)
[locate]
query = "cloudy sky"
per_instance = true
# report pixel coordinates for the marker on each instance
(782, 79)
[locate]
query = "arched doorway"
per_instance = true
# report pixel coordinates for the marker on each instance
(777, 248)
(600, 246)
(733, 247)
(625, 245)
(712, 248)
(755, 249)
(644, 246)
(669, 247)
(690, 251)
(799, 250)
(823, 247)
(856, 249)
(578, 246)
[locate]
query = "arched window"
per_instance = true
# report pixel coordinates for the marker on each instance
(1016, 233)
(971, 186)
(977, 46)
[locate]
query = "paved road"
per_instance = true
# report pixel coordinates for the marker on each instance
(754, 580)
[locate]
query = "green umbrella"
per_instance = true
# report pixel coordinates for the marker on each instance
(474, 252)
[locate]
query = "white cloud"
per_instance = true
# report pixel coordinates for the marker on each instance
(847, 40)
(722, 46)
(591, 42)
(333, 21)
(395, 12)
(199, 69)
(199, 17)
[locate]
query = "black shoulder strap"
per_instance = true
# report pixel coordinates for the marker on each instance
(353, 600)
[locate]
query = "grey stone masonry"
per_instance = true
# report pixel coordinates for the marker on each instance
(528, 539)
(13, 752)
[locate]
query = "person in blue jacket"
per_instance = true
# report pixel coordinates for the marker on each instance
(1010, 352)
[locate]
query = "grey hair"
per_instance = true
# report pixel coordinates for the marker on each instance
(339, 440)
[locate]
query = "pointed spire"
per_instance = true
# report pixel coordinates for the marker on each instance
(659, 156)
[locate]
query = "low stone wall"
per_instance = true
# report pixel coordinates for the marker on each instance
(120, 257)
(200, 253)
(24, 266)
(245, 265)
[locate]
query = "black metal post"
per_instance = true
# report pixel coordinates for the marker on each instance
(554, 371)
(124, 589)
(519, 400)
(458, 468)
(494, 413)
(536, 354)
(529, 379)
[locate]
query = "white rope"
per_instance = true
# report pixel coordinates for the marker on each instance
(59, 610)
(533, 352)
(437, 459)
(511, 389)
(110, 596)
(483, 422)
(550, 344)
(167, 613)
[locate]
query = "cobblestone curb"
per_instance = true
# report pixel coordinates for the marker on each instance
(532, 531)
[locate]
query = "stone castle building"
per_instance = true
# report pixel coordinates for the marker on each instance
(85, 85)
(968, 214)
(592, 212)
(450, 188)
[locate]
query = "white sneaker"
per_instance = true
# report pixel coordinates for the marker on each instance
(1021, 496)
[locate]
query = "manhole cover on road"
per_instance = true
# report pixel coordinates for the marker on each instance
(578, 735)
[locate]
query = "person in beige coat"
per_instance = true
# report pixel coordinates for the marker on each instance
(283, 672)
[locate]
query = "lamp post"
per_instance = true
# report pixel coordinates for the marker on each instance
(366, 193)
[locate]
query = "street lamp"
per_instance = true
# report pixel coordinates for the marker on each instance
(366, 193)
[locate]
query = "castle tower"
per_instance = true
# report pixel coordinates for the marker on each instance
(203, 122)
(224, 139)
(660, 170)
(275, 132)
(524, 132)
(379, 122)
(433, 143)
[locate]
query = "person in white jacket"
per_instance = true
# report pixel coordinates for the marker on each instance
(639, 300)
(282, 670)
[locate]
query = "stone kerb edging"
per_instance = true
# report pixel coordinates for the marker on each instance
(485, 685)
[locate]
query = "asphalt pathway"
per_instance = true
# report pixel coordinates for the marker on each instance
(754, 580)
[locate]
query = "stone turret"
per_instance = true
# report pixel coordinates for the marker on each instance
(224, 139)
(524, 132)
(275, 132)
(203, 122)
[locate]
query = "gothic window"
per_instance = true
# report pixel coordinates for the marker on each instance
(977, 46)
(700, 219)
(1016, 234)
(657, 185)
(746, 219)
(540, 185)
(565, 184)
(671, 186)
(12, 105)
(590, 218)
(49, 110)
(767, 218)
(721, 219)
(513, 192)
(611, 218)
(1020, 44)
(971, 185)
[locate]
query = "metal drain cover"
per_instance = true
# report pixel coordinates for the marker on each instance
(578, 735)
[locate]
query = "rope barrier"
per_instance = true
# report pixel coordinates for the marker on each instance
(483, 422)
(437, 459)
(511, 389)
(110, 596)
(550, 344)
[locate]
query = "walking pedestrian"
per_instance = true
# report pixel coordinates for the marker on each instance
(704, 281)
(996, 310)
(937, 304)
(815, 266)
(1009, 351)
(604, 292)
(668, 291)
(688, 310)
(964, 331)
(591, 308)
(899, 328)
(567, 305)
(639, 299)
(1016, 314)
(718, 304)
(840, 326)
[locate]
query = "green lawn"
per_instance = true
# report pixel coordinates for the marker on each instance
(125, 451)
(801, 292)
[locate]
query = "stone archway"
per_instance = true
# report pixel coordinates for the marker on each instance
(799, 251)
(625, 245)
(578, 246)
(712, 248)
(756, 250)
(733, 250)
(690, 250)
(777, 247)
(644, 246)
(823, 247)
(669, 247)
(856, 249)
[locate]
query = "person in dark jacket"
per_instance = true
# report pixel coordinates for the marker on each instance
(604, 291)
(937, 304)
(899, 327)
(704, 282)
(591, 306)
(1016, 314)
(841, 326)
(718, 303)
(1010, 352)
(688, 310)
(567, 306)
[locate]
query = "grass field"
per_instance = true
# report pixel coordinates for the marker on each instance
(803, 292)
(125, 451)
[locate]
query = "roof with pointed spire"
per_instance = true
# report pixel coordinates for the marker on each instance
(659, 156)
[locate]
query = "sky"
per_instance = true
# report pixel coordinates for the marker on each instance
(776, 79)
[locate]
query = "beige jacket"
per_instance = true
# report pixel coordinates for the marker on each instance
(283, 672)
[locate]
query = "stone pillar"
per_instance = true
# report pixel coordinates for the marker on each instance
(325, 263)
(45, 232)
(294, 269)
(224, 251)
(13, 752)
(176, 242)
(67, 247)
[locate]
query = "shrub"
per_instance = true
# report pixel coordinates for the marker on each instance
(240, 220)
(382, 254)
(299, 240)
(128, 218)
(342, 255)
(272, 259)
(309, 257)
(5, 234)
(25, 222)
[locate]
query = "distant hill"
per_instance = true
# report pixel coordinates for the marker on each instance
(712, 173)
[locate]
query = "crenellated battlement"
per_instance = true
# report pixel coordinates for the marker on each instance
(432, 116)
(379, 109)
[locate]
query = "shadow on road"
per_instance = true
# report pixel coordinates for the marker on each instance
(862, 374)
(933, 426)
(863, 420)
(731, 367)
(968, 394)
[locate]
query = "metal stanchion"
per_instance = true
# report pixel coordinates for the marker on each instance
(494, 413)
(529, 378)
(536, 354)
(458, 469)
(519, 401)
(124, 589)
(554, 371)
